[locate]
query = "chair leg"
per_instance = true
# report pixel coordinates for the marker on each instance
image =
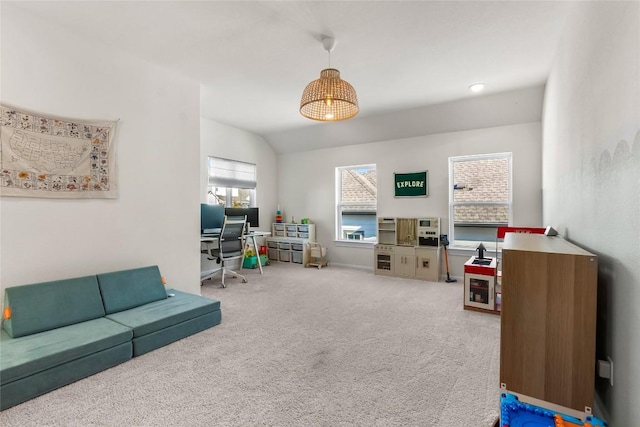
(244, 279)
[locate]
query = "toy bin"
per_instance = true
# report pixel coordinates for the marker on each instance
(250, 262)
(296, 257)
(514, 413)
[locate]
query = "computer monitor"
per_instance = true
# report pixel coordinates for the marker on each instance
(211, 216)
(252, 214)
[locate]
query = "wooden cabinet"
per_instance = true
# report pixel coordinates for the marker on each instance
(405, 261)
(547, 341)
(398, 252)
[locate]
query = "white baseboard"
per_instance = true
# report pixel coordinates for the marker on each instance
(355, 267)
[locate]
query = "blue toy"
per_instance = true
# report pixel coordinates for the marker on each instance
(514, 413)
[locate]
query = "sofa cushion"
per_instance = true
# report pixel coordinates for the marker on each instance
(48, 305)
(26, 388)
(162, 314)
(28, 355)
(157, 339)
(122, 290)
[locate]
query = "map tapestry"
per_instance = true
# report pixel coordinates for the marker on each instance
(53, 157)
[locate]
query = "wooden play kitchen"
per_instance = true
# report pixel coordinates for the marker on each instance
(408, 247)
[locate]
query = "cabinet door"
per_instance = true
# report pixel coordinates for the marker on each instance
(384, 263)
(405, 262)
(547, 339)
(399, 265)
(428, 264)
(479, 291)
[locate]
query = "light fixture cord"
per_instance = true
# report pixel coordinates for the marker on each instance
(329, 51)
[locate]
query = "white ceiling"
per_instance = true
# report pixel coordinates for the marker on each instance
(254, 58)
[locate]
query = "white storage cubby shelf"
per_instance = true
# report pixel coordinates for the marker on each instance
(288, 242)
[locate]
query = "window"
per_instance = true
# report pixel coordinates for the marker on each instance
(479, 198)
(231, 183)
(357, 195)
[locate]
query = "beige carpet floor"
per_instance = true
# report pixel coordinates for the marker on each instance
(302, 347)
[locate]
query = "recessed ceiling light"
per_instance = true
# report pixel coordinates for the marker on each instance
(476, 87)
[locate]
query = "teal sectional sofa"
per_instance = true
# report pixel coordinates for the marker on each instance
(55, 333)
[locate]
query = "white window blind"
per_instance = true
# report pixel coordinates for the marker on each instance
(231, 173)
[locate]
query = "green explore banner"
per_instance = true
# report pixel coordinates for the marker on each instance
(413, 184)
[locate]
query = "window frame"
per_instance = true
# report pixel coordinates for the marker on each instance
(453, 203)
(338, 235)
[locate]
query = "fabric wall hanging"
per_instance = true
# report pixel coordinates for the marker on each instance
(53, 157)
(413, 184)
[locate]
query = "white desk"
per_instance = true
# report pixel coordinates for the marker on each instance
(252, 236)
(215, 239)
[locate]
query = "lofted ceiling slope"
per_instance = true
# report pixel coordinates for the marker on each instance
(254, 58)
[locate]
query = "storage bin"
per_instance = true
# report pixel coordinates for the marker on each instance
(304, 235)
(303, 228)
(291, 228)
(515, 413)
(250, 262)
(284, 245)
(284, 256)
(273, 254)
(273, 245)
(297, 246)
(279, 234)
(278, 227)
(296, 257)
(291, 234)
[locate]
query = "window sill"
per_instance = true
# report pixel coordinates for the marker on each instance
(354, 243)
(466, 251)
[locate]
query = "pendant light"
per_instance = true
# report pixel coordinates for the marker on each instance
(329, 98)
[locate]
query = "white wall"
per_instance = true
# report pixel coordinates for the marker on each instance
(591, 178)
(228, 142)
(522, 105)
(306, 181)
(155, 219)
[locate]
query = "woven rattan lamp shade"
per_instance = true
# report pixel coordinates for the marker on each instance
(329, 98)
